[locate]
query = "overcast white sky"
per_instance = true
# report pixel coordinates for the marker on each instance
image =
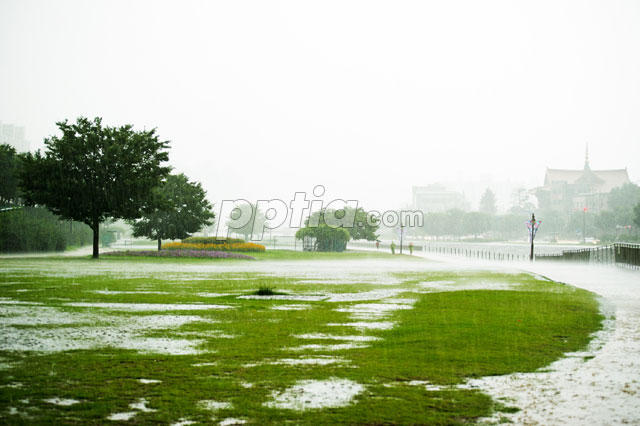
(260, 99)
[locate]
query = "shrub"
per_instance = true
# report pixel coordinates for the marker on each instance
(212, 240)
(28, 229)
(241, 247)
(265, 290)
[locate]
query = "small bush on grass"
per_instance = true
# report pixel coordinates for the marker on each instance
(265, 290)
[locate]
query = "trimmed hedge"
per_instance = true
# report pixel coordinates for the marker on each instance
(28, 229)
(199, 254)
(212, 240)
(242, 247)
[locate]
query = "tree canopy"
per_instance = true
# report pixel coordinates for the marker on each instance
(358, 223)
(326, 238)
(183, 209)
(332, 229)
(93, 172)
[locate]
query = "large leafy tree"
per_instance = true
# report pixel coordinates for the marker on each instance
(93, 172)
(326, 238)
(183, 209)
(358, 223)
(365, 226)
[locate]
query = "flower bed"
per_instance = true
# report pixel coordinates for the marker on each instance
(242, 247)
(201, 254)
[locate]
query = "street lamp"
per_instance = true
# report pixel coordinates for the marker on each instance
(584, 225)
(533, 226)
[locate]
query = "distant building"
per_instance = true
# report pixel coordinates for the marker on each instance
(14, 136)
(436, 198)
(578, 189)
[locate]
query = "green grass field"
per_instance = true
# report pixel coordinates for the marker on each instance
(379, 332)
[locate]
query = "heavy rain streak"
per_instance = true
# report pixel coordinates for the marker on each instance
(355, 212)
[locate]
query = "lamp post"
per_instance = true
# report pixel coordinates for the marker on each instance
(584, 225)
(533, 226)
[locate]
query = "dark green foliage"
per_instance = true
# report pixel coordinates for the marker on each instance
(636, 212)
(9, 164)
(359, 224)
(212, 240)
(327, 238)
(266, 290)
(92, 173)
(36, 229)
(184, 210)
(332, 229)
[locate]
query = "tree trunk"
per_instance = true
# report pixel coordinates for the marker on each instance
(159, 244)
(96, 239)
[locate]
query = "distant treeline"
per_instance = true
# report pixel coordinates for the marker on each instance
(618, 223)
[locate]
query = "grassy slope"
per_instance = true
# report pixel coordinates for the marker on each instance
(444, 339)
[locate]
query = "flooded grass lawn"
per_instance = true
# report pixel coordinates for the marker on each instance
(365, 340)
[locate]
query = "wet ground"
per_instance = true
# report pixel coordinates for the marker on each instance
(600, 386)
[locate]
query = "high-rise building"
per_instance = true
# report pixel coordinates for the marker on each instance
(14, 136)
(436, 198)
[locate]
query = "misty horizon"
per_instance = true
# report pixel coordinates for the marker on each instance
(261, 101)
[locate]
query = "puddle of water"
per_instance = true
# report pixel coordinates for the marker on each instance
(141, 307)
(149, 381)
(323, 336)
(124, 333)
(62, 401)
(305, 298)
(319, 360)
(232, 421)
(435, 287)
(206, 294)
(313, 394)
(211, 405)
(204, 364)
(183, 422)
(330, 348)
(291, 307)
(121, 417)
(366, 325)
(9, 301)
(109, 292)
(373, 311)
(141, 405)
(364, 296)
